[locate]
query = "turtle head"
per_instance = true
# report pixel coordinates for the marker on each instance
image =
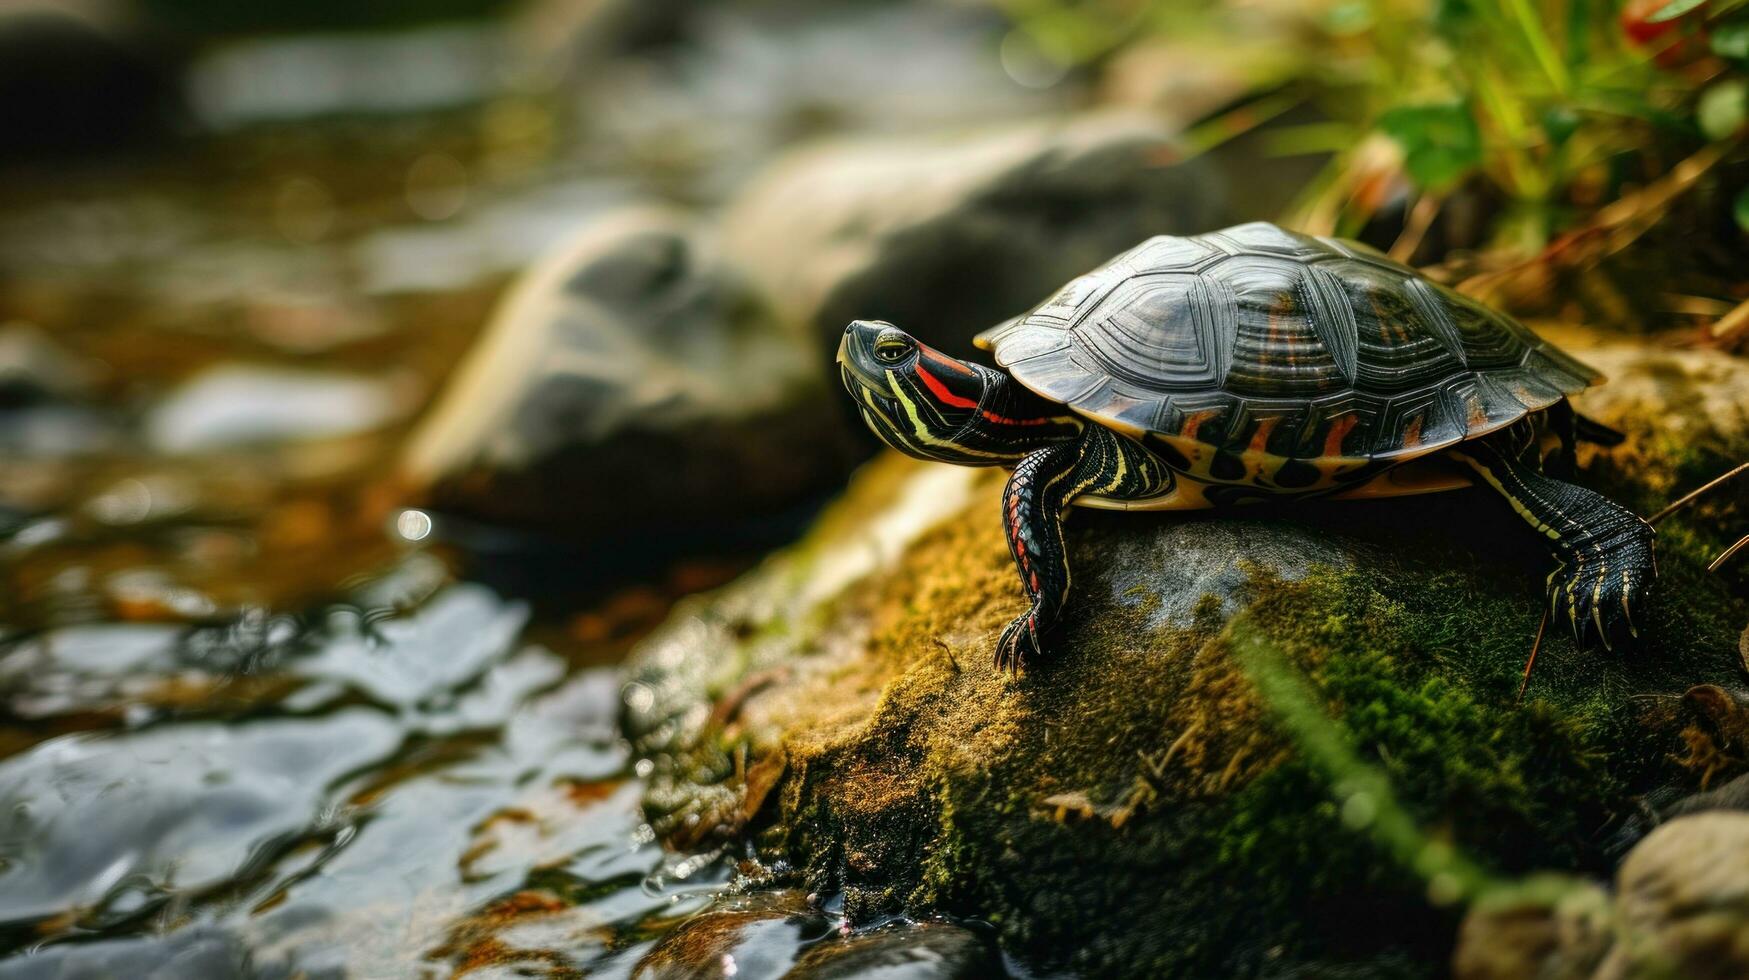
(932, 406)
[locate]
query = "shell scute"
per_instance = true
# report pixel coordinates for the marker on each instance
(1277, 348)
(1399, 343)
(1163, 331)
(1260, 340)
(1169, 253)
(1263, 238)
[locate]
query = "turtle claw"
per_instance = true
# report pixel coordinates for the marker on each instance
(1018, 644)
(1597, 600)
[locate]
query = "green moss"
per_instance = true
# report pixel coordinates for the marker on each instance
(1417, 664)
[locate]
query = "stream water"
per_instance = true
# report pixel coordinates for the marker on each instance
(257, 719)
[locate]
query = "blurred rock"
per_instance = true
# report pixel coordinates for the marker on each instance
(43, 408)
(630, 383)
(1686, 405)
(575, 37)
(1514, 937)
(1683, 901)
(947, 236)
(1687, 422)
(1733, 795)
(1680, 909)
(749, 79)
(53, 431)
(273, 78)
(237, 405)
(79, 77)
(33, 368)
(1185, 81)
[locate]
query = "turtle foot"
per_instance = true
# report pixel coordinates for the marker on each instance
(1600, 595)
(1019, 643)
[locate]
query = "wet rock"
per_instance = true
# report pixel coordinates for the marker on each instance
(630, 384)
(241, 405)
(779, 934)
(103, 827)
(949, 236)
(901, 951)
(1139, 805)
(758, 935)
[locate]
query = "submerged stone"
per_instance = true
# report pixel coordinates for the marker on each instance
(902, 951)
(757, 935)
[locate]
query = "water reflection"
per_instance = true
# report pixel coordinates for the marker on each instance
(416, 789)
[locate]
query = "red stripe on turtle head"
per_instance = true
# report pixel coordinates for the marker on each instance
(940, 390)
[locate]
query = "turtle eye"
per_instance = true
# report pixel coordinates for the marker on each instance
(892, 348)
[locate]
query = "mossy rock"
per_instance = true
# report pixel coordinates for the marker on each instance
(1134, 806)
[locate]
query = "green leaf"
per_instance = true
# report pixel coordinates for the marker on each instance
(1723, 108)
(1740, 210)
(1673, 10)
(1560, 123)
(1732, 40)
(1441, 142)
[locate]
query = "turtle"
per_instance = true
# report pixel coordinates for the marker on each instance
(1250, 364)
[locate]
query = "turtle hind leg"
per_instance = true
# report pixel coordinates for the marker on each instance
(1571, 429)
(1587, 429)
(1033, 506)
(1605, 552)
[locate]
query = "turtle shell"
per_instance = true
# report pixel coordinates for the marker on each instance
(1255, 339)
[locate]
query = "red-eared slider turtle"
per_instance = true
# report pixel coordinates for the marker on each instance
(1246, 364)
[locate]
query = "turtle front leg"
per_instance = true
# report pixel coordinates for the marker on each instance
(1033, 506)
(1605, 551)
